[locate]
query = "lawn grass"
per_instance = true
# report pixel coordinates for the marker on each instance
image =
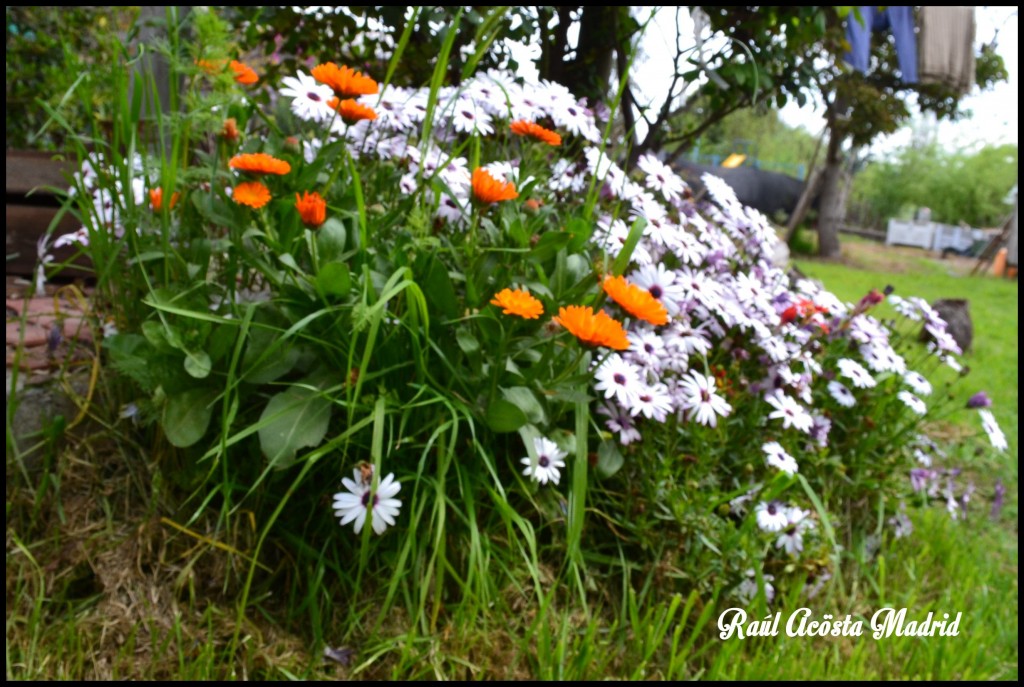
(100, 588)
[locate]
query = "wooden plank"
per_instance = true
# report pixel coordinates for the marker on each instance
(25, 225)
(28, 170)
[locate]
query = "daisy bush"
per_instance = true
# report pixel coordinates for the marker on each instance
(455, 295)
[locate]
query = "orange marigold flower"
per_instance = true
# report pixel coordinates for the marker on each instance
(351, 110)
(345, 81)
(536, 132)
(210, 66)
(259, 163)
(636, 301)
(156, 199)
(251, 193)
(487, 189)
(595, 330)
(244, 74)
(230, 129)
(312, 209)
(518, 302)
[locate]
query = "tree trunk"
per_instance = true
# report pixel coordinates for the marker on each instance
(832, 205)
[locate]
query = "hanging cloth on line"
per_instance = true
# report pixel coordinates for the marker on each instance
(900, 20)
(947, 47)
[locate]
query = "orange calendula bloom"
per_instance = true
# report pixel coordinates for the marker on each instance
(312, 209)
(230, 130)
(210, 66)
(156, 199)
(636, 301)
(259, 163)
(345, 81)
(244, 74)
(251, 193)
(536, 132)
(595, 330)
(518, 302)
(487, 189)
(351, 110)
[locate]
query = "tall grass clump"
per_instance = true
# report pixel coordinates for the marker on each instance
(514, 373)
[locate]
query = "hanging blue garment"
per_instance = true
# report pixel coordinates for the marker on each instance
(898, 19)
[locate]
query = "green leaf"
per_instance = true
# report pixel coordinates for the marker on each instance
(504, 416)
(433, 277)
(186, 416)
(334, 279)
(579, 230)
(526, 401)
(259, 366)
(330, 240)
(467, 342)
(609, 459)
(198, 364)
(549, 244)
(622, 259)
(293, 419)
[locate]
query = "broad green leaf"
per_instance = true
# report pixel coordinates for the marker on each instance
(293, 419)
(609, 459)
(525, 400)
(504, 416)
(334, 279)
(330, 240)
(198, 364)
(433, 277)
(186, 416)
(467, 342)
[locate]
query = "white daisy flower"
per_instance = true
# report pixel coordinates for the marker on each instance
(660, 177)
(790, 412)
(653, 401)
(791, 539)
(618, 379)
(917, 382)
(913, 402)
(545, 464)
(354, 504)
(771, 516)
(309, 97)
(746, 590)
(856, 373)
(991, 427)
(777, 457)
(700, 400)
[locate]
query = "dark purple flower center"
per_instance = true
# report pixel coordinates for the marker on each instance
(467, 114)
(645, 398)
(620, 379)
(543, 461)
(313, 96)
(772, 510)
(705, 396)
(649, 348)
(656, 291)
(366, 499)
